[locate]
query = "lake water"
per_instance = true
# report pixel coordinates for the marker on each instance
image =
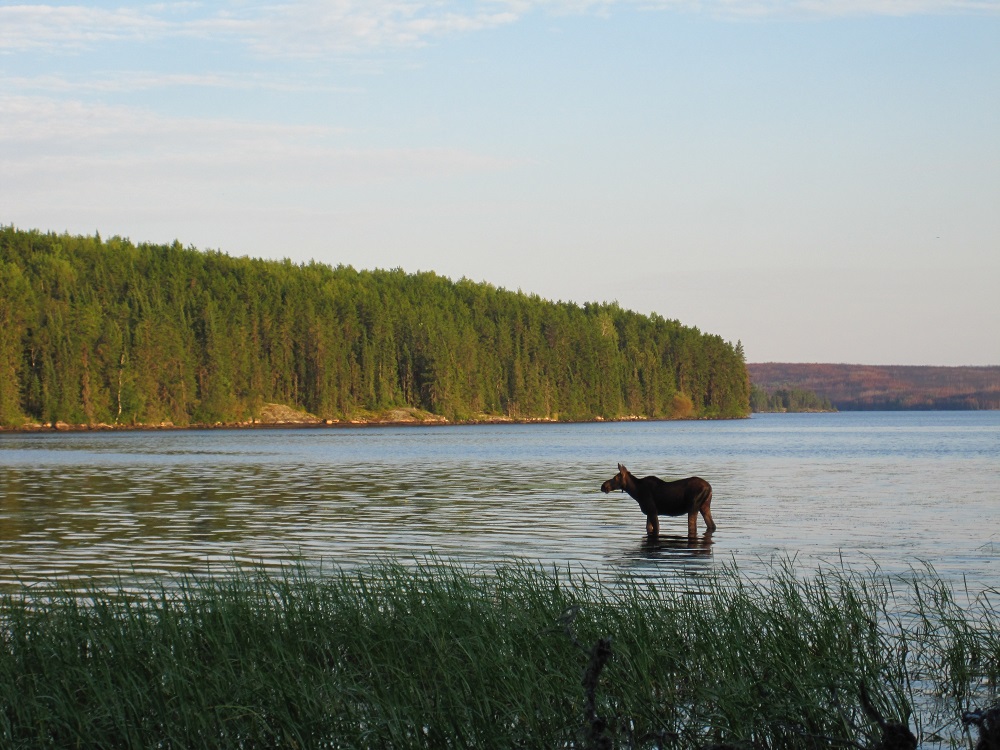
(893, 490)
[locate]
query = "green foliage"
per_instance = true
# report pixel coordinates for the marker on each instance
(441, 656)
(787, 400)
(96, 331)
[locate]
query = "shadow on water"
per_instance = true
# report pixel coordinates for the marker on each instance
(668, 557)
(682, 556)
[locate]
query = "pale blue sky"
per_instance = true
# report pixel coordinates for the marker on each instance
(820, 180)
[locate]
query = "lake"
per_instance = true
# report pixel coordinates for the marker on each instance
(894, 490)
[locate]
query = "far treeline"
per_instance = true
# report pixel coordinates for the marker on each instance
(787, 400)
(884, 387)
(99, 331)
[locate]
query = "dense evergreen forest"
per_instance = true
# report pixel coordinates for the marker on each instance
(99, 331)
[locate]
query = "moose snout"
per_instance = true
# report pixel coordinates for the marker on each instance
(606, 487)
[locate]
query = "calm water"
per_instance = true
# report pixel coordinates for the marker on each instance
(889, 489)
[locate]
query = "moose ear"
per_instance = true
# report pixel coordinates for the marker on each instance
(622, 469)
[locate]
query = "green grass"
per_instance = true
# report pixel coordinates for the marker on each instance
(439, 655)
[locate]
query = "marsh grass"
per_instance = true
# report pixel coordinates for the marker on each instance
(440, 655)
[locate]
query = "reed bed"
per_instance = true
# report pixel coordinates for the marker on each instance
(439, 655)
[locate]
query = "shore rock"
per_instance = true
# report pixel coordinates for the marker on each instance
(281, 414)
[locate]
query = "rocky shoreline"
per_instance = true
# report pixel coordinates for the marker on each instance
(282, 416)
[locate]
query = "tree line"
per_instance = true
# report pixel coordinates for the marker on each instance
(107, 331)
(885, 387)
(787, 400)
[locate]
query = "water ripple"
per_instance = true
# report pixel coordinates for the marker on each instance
(882, 489)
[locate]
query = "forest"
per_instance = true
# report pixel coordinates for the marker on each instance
(787, 400)
(885, 387)
(108, 332)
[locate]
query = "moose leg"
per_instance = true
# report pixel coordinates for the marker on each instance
(652, 525)
(693, 524)
(706, 511)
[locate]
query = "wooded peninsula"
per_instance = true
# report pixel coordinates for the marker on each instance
(108, 332)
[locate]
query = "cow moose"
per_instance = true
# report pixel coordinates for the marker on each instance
(659, 498)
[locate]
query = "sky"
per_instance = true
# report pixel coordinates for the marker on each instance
(817, 179)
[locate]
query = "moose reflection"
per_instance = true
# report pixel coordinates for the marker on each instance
(659, 498)
(675, 548)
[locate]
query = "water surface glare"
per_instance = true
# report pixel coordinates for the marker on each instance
(895, 490)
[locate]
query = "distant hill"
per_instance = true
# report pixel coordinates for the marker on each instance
(885, 387)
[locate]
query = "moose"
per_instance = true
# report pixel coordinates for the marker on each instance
(659, 498)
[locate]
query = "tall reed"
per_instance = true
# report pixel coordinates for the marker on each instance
(434, 654)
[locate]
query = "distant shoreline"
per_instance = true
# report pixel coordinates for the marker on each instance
(349, 424)
(886, 387)
(315, 423)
